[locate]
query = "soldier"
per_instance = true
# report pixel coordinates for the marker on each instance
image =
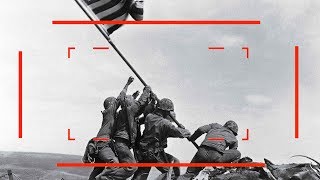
(100, 150)
(154, 140)
(213, 148)
(126, 128)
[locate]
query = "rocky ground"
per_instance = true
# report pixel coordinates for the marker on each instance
(42, 166)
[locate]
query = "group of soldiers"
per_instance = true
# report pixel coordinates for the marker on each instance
(120, 132)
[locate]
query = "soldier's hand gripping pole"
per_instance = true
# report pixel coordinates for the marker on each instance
(105, 35)
(181, 126)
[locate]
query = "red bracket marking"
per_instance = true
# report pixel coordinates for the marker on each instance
(216, 48)
(20, 94)
(296, 91)
(100, 48)
(69, 137)
(216, 139)
(247, 136)
(247, 51)
(69, 49)
(100, 139)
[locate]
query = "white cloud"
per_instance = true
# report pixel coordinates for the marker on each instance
(258, 99)
(230, 41)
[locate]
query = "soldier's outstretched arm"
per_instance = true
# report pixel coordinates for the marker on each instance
(173, 131)
(201, 130)
(130, 80)
(123, 93)
(143, 99)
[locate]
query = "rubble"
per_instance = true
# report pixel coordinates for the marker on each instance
(294, 171)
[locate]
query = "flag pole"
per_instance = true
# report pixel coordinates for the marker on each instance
(105, 34)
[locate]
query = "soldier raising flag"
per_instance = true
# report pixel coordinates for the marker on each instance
(115, 10)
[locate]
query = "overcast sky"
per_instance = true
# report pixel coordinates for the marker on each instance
(206, 86)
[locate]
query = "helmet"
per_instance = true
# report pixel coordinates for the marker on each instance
(165, 104)
(232, 126)
(108, 102)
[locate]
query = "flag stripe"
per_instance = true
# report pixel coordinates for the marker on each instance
(88, 2)
(115, 10)
(98, 3)
(121, 18)
(112, 27)
(137, 10)
(107, 5)
(110, 11)
(116, 14)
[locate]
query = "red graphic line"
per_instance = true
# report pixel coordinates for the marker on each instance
(216, 139)
(169, 22)
(296, 91)
(69, 137)
(247, 136)
(160, 164)
(100, 48)
(20, 94)
(216, 48)
(247, 51)
(69, 49)
(100, 139)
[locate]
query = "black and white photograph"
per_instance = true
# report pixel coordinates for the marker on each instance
(160, 90)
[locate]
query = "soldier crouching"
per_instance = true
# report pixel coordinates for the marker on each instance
(214, 151)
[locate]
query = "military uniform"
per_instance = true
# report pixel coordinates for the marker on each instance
(213, 151)
(102, 149)
(126, 130)
(126, 124)
(154, 141)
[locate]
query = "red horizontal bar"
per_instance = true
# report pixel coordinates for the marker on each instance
(215, 48)
(100, 48)
(100, 139)
(172, 22)
(216, 139)
(160, 164)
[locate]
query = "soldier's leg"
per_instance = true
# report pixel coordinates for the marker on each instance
(141, 173)
(106, 155)
(176, 170)
(230, 155)
(168, 158)
(95, 172)
(200, 157)
(125, 156)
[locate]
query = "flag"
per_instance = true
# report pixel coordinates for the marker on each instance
(115, 10)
